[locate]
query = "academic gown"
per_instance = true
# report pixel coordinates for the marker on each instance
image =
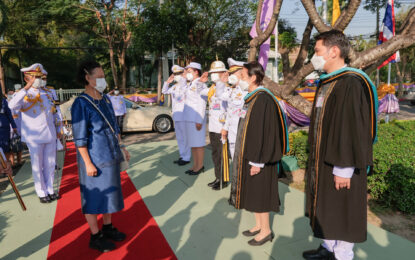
(261, 139)
(342, 130)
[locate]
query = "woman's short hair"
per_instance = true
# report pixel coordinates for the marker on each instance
(255, 68)
(84, 68)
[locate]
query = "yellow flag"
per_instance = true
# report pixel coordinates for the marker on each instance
(336, 12)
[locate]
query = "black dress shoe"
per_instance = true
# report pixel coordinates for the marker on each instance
(177, 161)
(101, 243)
(113, 233)
(181, 162)
(321, 254)
(213, 183)
(197, 172)
(45, 200)
(248, 233)
(217, 185)
(188, 171)
(53, 197)
(253, 242)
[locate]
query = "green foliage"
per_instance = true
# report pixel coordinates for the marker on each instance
(393, 181)
(299, 147)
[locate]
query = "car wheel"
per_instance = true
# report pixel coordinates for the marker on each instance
(413, 102)
(163, 124)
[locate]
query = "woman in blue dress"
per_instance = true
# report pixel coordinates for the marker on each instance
(6, 120)
(99, 155)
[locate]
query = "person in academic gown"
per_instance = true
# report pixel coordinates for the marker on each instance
(261, 143)
(342, 132)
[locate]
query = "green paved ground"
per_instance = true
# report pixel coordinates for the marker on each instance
(197, 222)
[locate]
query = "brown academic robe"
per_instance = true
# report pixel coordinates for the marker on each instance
(341, 134)
(260, 140)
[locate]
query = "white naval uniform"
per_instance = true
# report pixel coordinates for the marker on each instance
(39, 133)
(235, 102)
(195, 113)
(217, 108)
(17, 116)
(178, 96)
(118, 104)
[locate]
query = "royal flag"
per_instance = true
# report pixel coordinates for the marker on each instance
(387, 31)
(336, 12)
(266, 15)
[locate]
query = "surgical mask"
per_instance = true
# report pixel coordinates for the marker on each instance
(44, 83)
(318, 62)
(116, 92)
(233, 79)
(189, 77)
(101, 84)
(215, 77)
(37, 83)
(177, 78)
(244, 85)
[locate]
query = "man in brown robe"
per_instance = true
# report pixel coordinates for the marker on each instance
(342, 132)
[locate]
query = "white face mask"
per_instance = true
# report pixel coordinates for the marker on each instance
(177, 78)
(101, 84)
(116, 92)
(44, 83)
(215, 77)
(233, 79)
(37, 83)
(244, 85)
(318, 62)
(189, 77)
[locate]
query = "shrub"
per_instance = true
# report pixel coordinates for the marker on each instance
(299, 147)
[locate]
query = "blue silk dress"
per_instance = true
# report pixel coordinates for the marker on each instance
(102, 193)
(6, 119)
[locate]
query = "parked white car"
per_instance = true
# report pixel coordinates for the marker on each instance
(138, 118)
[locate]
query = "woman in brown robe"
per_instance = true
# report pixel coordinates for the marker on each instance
(261, 143)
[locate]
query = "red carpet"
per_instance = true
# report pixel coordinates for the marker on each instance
(70, 234)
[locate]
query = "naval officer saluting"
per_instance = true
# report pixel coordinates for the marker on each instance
(38, 129)
(177, 91)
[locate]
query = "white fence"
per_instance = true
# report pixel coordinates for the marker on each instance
(66, 94)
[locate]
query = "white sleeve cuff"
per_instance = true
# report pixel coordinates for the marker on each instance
(260, 165)
(346, 172)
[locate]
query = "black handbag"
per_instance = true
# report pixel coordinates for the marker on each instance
(16, 143)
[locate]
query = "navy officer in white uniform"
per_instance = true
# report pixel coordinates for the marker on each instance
(119, 106)
(176, 87)
(38, 129)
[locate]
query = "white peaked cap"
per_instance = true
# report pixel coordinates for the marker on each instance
(35, 69)
(194, 65)
(177, 69)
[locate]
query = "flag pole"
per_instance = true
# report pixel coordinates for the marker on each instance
(325, 11)
(277, 78)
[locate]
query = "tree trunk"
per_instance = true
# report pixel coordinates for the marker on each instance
(113, 65)
(159, 77)
(400, 80)
(123, 67)
(2, 79)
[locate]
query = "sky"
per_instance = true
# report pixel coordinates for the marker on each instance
(363, 23)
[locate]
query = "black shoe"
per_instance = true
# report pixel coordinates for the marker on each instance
(53, 197)
(248, 233)
(188, 171)
(197, 172)
(101, 243)
(321, 254)
(181, 162)
(45, 200)
(217, 185)
(178, 160)
(213, 183)
(253, 242)
(112, 233)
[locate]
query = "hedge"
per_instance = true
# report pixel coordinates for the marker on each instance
(392, 183)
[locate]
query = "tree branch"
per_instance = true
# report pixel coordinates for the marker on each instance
(347, 15)
(408, 23)
(302, 54)
(311, 10)
(258, 18)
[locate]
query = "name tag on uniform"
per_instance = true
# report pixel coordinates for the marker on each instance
(319, 102)
(242, 112)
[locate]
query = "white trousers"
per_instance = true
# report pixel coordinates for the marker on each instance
(43, 159)
(184, 150)
(342, 250)
(232, 149)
